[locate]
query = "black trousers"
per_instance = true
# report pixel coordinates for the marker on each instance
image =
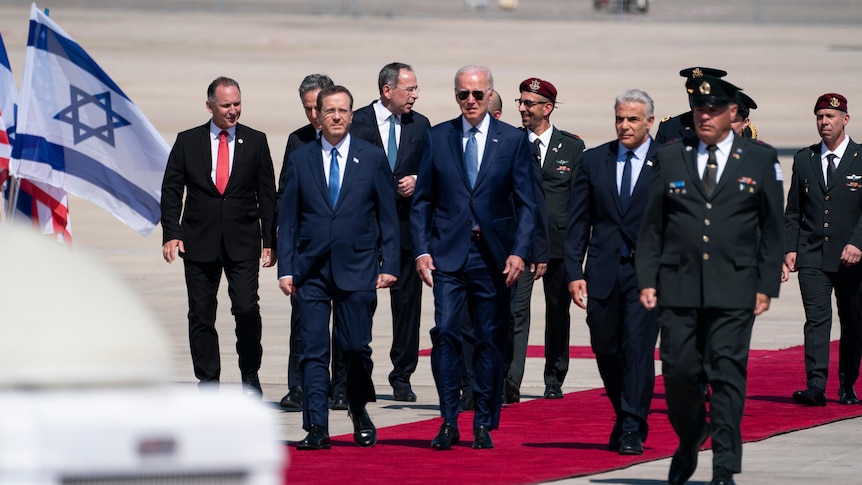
(202, 282)
(816, 287)
(406, 303)
(714, 342)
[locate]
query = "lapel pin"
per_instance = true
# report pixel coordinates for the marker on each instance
(239, 140)
(355, 160)
(688, 148)
(649, 163)
(736, 156)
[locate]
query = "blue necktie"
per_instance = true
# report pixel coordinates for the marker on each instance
(626, 183)
(471, 157)
(333, 178)
(626, 196)
(392, 151)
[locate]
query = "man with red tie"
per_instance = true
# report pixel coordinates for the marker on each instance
(225, 169)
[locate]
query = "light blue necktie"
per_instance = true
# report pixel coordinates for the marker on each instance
(333, 178)
(471, 157)
(392, 151)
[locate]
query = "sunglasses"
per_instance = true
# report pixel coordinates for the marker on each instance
(477, 95)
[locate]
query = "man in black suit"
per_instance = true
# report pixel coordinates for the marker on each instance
(822, 240)
(558, 154)
(292, 401)
(605, 212)
(472, 223)
(225, 169)
(682, 125)
(338, 243)
(710, 252)
(391, 123)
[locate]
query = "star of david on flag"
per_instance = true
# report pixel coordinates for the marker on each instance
(77, 130)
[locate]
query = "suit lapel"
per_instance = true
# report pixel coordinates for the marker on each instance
(492, 140)
(645, 176)
(849, 158)
(734, 159)
(207, 162)
(457, 150)
(315, 168)
(689, 154)
(351, 167)
(611, 174)
(816, 165)
(556, 141)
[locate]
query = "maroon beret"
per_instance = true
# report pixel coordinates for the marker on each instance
(539, 86)
(831, 101)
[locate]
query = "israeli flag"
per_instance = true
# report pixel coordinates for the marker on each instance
(77, 130)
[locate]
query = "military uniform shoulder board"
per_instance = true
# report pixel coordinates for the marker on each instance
(753, 131)
(570, 135)
(666, 118)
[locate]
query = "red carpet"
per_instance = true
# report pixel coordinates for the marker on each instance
(545, 440)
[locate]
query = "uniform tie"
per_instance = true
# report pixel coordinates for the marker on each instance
(830, 167)
(538, 144)
(471, 157)
(392, 150)
(710, 172)
(333, 178)
(222, 163)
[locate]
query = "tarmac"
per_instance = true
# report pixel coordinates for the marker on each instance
(164, 55)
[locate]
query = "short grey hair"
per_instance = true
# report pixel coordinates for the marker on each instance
(313, 82)
(473, 68)
(636, 96)
(388, 76)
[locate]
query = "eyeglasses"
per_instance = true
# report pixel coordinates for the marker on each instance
(477, 95)
(408, 89)
(528, 103)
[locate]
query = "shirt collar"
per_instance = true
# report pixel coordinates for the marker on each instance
(640, 152)
(215, 130)
(723, 145)
(342, 146)
(382, 114)
(483, 125)
(839, 150)
(545, 136)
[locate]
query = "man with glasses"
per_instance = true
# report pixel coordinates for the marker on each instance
(709, 254)
(391, 123)
(558, 154)
(472, 224)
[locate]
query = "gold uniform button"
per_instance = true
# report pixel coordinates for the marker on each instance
(706, 256)
(706, 222)
(826, 212)
(825, 224)
(827, 197)
(705, 238)
(708, 205)
(826, 239)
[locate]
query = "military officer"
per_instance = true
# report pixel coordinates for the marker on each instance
(681, 126)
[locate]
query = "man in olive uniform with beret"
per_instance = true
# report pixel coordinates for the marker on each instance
(822, 240)
(558, 155)
(681, 126)
(710, 257)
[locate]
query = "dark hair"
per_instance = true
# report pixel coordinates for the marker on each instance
(329, 92)
(220, 81)
(313, 82)
(389, 74)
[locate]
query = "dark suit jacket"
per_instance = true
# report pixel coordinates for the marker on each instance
(675, 128)
(596, 223)
(413, 142)
(502, 202)
(819, 220)
(354, 236)
(298, 138)
(558, 170)
(241, 219)
(719, 251)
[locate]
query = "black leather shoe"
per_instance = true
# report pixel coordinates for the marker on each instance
(317, 439)
(553, 392)
(631, 444)
(616, 434)
(467, 402)
(512, 394)
(404, 393)
(292, 401)
(251, 384)
(339, 403)
(810, 397)
(847, 395)
(482, 438)
(446, 437)
(685, 460)
(722, 478)
(364, 432)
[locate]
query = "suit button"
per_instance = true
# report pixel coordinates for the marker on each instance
(826, 239)
(708, 205)
(472, 200)
(827, 197)
(706, 222)
(706, 256)
(705, 238)
(826, 212)
(825, 224)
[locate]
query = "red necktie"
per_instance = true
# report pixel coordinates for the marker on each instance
(223, 163)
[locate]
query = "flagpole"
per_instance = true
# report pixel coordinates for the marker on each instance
(13, 198)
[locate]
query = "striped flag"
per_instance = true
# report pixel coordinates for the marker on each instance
(77, 130)
(46, 206)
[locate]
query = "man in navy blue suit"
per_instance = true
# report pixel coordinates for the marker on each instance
(391, 123)
(605, 212)
(337, 243)
(472, 225)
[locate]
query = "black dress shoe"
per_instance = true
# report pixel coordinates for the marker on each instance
(251, 384)
(553, 392)
(512, 394)
(467, 402)
(847, 395)
(404, 393)
(292, 401)
(364, 432)
(810, 397)
(631, 444)
(482, 438)
(317, 439)
(722, 478)
(446, 437)
(685, 460)
(339, 403)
